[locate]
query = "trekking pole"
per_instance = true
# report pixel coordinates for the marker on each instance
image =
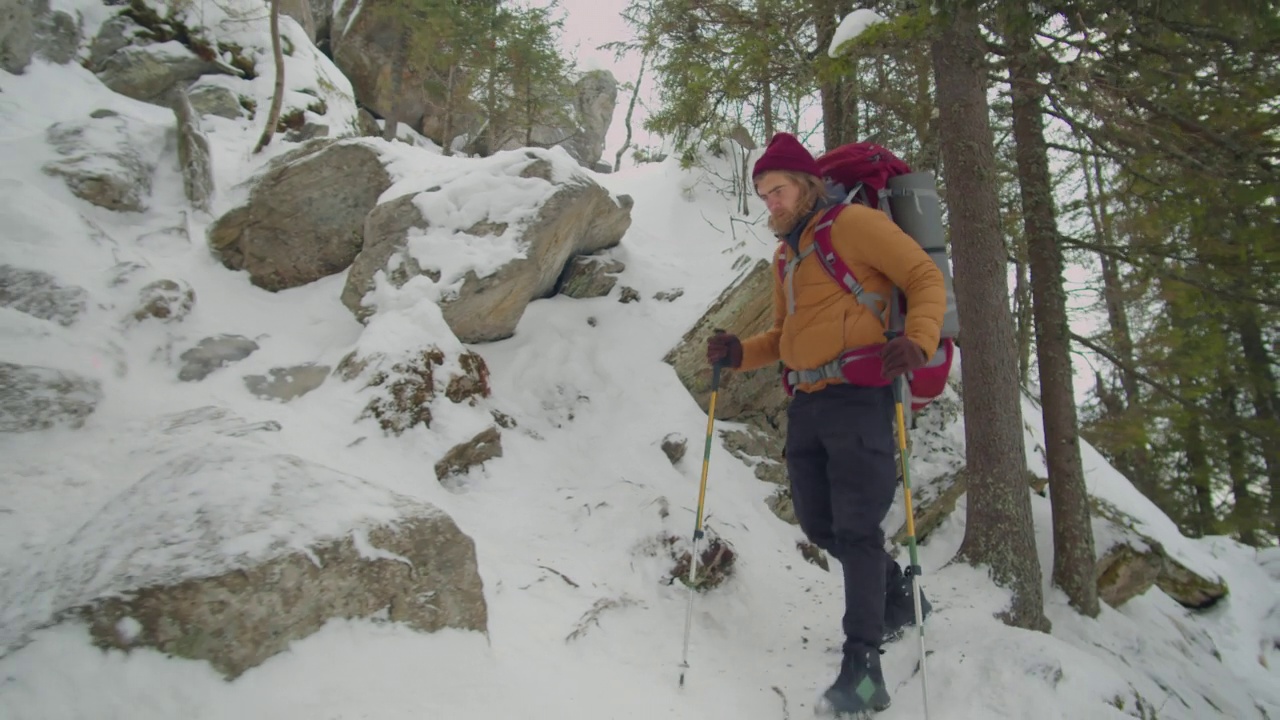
(697, 523)
(900, 392)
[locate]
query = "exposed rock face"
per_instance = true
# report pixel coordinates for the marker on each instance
(40, 295)
(744, 309)
(117, 178)
(590, 276)
(212, 353)
(285, 384)
(215, 100)
(305, 216)
(150, 72)
(485, 446)
(38, 398)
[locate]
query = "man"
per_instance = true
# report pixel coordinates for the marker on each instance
(840, 443)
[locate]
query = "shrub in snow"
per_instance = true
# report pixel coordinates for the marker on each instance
(403, 390)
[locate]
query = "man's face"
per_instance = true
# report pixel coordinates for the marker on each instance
(779, 192)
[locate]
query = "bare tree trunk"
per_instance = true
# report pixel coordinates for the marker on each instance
(1266, 404)
(398, 69)
(1022, 315)
(631, 108)
(446, 134)
(277, 53)
(926, 126)
(838, 126)
(1203, 519)
(1073, 548)
(1246, 518)
(999, 530)
(770, 123)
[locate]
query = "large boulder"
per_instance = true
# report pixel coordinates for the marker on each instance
(744, 308)
(302, 12)
(150, 72)
(229, 552)
(305, 217)
(107, 160)
(17, 33)
(595, 99)
(580, 127)
(58, 36)
(577, 217)
(366, 37)
(38, 398)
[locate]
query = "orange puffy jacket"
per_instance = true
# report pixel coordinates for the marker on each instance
(826, 319)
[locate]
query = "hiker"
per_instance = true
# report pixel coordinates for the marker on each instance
(840, 443)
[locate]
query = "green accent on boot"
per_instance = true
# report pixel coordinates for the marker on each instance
(865, 689)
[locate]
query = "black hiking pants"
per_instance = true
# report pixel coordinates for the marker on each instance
(840, 457)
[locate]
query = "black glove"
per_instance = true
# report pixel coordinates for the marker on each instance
(725, 349)
(900, 355)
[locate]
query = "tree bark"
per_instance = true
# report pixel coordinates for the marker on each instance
(839, 125)
(1266, 404)
(277, 53)
(1022, 316)
(1246, 519)
(1073, 548)
(999, 530)
(392, 120)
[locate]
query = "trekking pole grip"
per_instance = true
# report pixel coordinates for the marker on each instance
(716, 367)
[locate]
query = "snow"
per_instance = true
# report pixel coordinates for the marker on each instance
(853, 25)
(584, 622)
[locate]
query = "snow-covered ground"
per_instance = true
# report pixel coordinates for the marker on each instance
(582, 623)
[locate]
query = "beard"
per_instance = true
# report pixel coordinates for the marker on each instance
(785, 221)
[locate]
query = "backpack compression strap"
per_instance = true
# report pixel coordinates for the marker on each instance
(831, 262)
(836, 266)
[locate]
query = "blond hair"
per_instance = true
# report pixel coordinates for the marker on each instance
(812, 190)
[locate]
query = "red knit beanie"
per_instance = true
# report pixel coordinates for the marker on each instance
(786, 153)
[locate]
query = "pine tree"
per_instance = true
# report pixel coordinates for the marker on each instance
(999, 530)
(1073, 549)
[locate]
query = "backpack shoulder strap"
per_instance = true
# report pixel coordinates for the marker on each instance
(836, 267)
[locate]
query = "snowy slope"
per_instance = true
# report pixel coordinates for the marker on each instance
(583, 622)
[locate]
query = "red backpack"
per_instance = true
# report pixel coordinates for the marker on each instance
(863, 171)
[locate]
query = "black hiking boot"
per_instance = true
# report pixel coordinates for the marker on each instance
(899, 607)
(859, 689)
